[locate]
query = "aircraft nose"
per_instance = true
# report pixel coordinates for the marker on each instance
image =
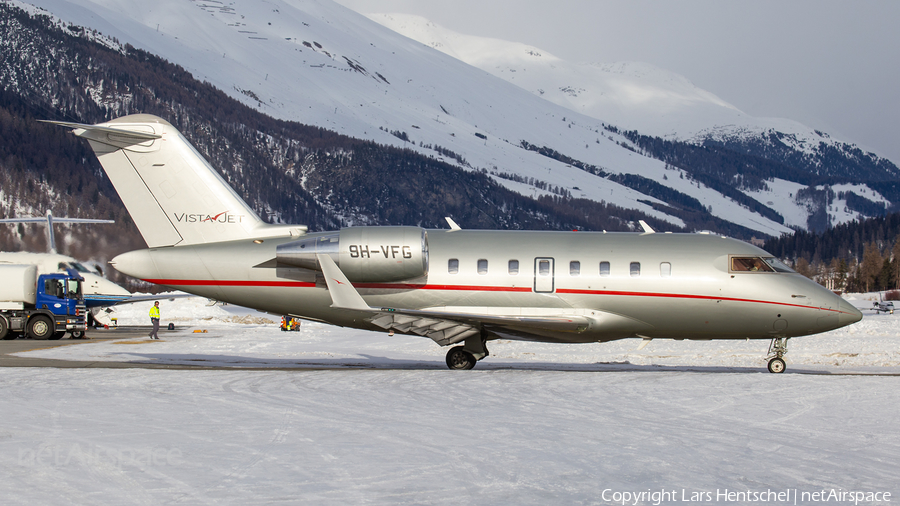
(849, 314)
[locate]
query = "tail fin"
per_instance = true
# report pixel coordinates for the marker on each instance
(172, 193)
(51, 237)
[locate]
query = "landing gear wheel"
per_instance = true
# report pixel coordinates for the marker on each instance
(459, 359)
(40, 327)
(776, 365)
(77, 334)
(5, 334)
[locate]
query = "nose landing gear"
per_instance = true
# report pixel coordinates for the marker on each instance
(777, 349)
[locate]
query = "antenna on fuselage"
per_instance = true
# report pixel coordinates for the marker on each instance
(49, 219)
(453, 225)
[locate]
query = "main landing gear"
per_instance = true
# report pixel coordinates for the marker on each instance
(776, 351)
(463, 358)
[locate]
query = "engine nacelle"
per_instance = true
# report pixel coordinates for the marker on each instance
(364, 254)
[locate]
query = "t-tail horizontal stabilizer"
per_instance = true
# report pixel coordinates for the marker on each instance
(49, 219)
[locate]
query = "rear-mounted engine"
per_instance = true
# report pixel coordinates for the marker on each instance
(364, 254)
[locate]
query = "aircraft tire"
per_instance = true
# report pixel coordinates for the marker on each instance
(77, 334)
(4, 330)
(776, 365)
(458, 359)
(40, 328)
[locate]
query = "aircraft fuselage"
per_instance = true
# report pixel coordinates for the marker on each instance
(680, 286)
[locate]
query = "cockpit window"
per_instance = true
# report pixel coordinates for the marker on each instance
(778, 265)
(80, 267)
(750, 264)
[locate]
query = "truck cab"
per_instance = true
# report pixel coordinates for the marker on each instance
(44, 307)
(62, 295)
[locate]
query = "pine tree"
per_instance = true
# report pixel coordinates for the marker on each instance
(871, 265)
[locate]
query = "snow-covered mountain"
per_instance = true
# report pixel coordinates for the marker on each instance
(631, 95)
(316, 62)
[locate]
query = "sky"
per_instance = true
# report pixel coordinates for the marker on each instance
(831, 65)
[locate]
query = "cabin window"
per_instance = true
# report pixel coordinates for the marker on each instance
(665, 269)
(453, 266)
(544, 267)
(482, 266)
(749, 264)
(513, 267)
(574, 268)
(604, 269)
(635, 269)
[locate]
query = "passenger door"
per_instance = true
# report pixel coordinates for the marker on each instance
(544, 269)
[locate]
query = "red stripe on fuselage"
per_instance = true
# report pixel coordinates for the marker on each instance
(517, 289)
(475, 288)
(214, 282)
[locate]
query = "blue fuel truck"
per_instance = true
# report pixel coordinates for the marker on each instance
(44, 306)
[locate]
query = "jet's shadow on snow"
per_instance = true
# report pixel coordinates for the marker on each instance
(373, 362)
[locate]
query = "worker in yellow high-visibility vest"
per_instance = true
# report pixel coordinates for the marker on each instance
(154, 319)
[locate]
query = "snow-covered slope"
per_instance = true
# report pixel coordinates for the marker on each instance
(632, 95)
(319, 63)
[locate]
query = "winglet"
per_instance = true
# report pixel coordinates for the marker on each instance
(647, 229)
(343, 295)
(453, 225)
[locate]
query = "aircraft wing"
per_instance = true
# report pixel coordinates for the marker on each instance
(57, 220)
(443, 325)
(152, 297)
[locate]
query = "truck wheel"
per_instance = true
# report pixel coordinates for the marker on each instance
(40, 327)
(5, 334)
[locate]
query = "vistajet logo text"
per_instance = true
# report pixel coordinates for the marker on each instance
(222, 217)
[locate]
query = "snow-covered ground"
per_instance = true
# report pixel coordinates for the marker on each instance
(387, 423)
(241, 337)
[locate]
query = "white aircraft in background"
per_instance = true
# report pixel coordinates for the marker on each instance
(453, 286)
(98, 291)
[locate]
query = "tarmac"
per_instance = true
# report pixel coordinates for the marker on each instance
(7, 348)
